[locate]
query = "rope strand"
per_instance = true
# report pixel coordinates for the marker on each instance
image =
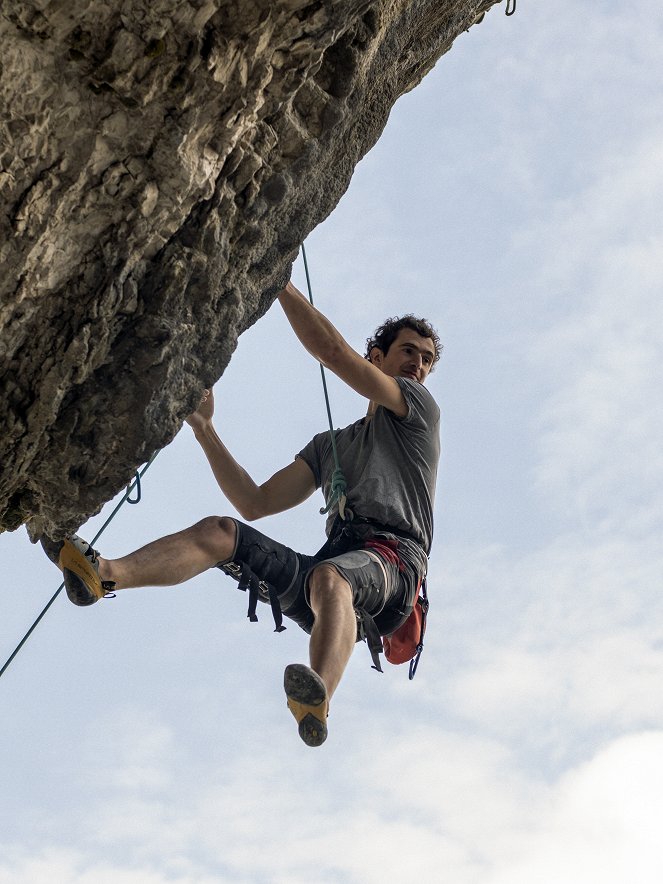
(127, 494)
(338, 485)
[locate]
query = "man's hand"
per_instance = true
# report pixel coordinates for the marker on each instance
(285, 489)
(204, 413)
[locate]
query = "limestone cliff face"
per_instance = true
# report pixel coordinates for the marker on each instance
(160, 162)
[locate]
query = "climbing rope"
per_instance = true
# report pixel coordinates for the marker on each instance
(338, 485)
(126, 499)
(510, 7)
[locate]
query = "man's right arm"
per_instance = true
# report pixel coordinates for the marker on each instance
(285, 489)
(326, 344)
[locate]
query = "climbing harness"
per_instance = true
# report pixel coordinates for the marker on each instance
(338, 485)
(126, 499)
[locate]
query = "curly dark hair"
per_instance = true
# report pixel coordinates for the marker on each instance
(384, 336)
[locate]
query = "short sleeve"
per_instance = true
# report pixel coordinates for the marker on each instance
(310, 454)
(423, 410)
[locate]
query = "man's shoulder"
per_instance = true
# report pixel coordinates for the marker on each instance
(414, 387)
(419, 399)
(323, 439)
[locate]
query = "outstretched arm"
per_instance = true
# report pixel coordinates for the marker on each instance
(285, 489)
(328, 346)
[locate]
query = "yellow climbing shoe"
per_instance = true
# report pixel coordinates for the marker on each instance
(308, 702)
(79, 564)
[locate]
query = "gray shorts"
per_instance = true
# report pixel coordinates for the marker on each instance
(384, 590)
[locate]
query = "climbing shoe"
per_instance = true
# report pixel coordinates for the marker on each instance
(79, 564)
(308, 702)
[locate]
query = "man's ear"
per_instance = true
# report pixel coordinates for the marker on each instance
(377, 356)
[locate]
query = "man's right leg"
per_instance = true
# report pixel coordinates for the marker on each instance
(175, 558)
(170, 560)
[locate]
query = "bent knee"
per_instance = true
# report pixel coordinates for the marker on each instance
(215, 523)
(216, 534)
(326, 582)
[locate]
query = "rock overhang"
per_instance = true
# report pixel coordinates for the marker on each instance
(160, 163)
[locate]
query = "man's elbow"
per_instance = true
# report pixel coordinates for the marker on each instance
(253, 509)
(250, 513)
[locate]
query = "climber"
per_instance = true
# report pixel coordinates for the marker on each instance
(363, 582)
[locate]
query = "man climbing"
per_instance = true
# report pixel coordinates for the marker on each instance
(363, 583)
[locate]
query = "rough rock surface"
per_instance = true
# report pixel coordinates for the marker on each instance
(160, 162)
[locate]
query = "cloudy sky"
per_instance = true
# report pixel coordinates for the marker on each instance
(515, 200)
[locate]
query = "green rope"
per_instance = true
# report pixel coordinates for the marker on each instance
(338, 485)
(127, 495)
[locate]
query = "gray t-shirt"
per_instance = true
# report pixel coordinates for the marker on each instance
(390, 465)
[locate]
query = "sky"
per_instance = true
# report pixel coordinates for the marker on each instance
(514, 199)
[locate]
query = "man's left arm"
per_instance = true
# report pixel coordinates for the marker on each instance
(326, 344)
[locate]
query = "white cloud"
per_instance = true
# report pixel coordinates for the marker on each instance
(418, 805)
(600, 423)
(128, 749)
(53, 865)
(602, 822)
(566, 639)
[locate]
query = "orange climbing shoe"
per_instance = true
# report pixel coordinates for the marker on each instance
(308, 702)
(79, 564)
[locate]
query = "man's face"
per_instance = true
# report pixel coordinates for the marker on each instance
(410, 356)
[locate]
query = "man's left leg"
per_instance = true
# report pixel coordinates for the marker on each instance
(334, 632)
(360, 584)
(333, 637)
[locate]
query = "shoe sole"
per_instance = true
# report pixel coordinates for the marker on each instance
(307, 700)
(78, 591)
(81, 580)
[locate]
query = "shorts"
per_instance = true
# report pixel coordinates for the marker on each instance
(381, 589)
